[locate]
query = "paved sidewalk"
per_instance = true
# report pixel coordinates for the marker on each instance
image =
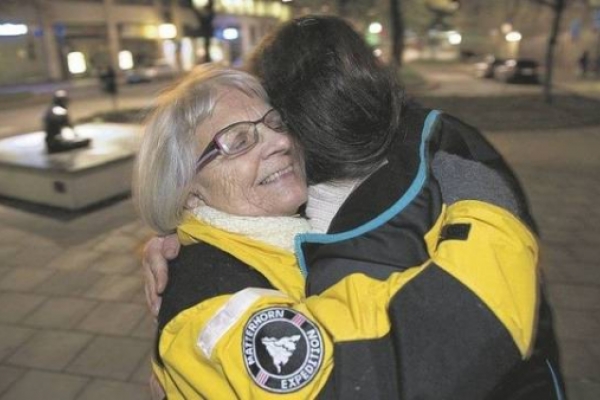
(73, 321)
(560, 171)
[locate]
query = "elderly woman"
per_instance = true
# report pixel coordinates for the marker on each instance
(216, 163)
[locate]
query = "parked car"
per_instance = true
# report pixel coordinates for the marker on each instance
(518, 70)
(156, 71)
(486, 68)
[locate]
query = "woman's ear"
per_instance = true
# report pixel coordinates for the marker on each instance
(194, 200)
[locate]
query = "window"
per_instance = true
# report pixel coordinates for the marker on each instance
(76, 62)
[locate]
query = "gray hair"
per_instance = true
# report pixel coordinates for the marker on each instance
(166, 163)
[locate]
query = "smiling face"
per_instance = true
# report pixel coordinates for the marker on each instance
(268, 180)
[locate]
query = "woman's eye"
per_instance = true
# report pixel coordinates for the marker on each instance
(239, 141)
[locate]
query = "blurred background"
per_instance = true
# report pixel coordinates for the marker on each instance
(73, 319)
(43, 40)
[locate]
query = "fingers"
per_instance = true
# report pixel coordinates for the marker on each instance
(151, 256)
(157, 252)
(153, 300)
(170, 246)
(169, 250)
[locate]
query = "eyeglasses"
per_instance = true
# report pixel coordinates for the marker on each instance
(239, 138)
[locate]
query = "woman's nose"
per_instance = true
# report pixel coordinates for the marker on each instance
(273, 142)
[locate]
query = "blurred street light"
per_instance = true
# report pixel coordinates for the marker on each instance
(167, 31)
(230, 33)
(375, 27)
(76, 62)
(13, 29)
(454, 38)
(125, 60)
(513, 36)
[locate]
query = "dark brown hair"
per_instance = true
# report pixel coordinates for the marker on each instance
(339, 100)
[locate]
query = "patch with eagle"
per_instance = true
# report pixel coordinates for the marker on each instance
(283, 350)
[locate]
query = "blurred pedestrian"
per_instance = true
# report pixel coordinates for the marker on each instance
(108, 79)
(584, 61)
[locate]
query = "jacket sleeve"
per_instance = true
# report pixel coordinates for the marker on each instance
(254, 344)
(455, 324)
(465, 141)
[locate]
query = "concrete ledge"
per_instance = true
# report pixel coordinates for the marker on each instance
(71, 180)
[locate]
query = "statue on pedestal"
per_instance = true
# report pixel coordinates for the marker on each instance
(57, 118)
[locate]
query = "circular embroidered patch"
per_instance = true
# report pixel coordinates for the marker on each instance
(283, 351)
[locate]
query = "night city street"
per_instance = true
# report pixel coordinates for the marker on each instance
(74, 318)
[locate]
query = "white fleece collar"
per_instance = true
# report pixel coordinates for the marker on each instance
(325, 199)
(276, 231)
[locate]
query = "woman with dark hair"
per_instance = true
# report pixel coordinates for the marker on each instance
(386, 176)
(344, 94)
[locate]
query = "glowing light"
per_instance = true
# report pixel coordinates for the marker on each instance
(167, 31)
(513, 36)
(216, 53)
(230, 33)
(76, 62)
(13, 29)
(375, 27)
(125, 59)
(454, 37)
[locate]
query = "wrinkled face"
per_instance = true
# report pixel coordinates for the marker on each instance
(268, 180)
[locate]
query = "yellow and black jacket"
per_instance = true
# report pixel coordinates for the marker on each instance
(405, 298)
(269, 341)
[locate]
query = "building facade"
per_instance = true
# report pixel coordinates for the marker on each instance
(486, 26)
(53, 40)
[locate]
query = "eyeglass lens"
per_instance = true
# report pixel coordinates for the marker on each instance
(239, 137)
(243, 135)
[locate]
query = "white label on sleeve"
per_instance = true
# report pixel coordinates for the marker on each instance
(228, 315)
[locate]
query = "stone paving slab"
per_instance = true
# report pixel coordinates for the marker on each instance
(60, 313)
(15, 306)
(111, 357)
(11, 339)
(105, 389)
(43, 385)
(50, 350)
(9, 375)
